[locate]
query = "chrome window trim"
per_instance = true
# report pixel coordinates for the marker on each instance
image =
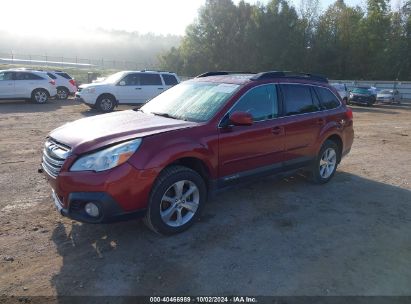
(285, 116)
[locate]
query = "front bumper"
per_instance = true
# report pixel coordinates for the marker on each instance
(120, 193)
(84, 98)
(109, 209)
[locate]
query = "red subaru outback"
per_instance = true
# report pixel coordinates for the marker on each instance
(163, 160)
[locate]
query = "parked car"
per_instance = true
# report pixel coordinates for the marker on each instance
(66, 85)
(21, 84)
(342, 90)
(362, 95)
(128, 87)
(389, 96)
(163, 160)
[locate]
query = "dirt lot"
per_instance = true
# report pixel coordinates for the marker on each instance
(274, 237)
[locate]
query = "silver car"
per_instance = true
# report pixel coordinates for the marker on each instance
(389, 96)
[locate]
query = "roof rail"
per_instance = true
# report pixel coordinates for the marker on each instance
(219, 73)
(288, 74)
(159, 71)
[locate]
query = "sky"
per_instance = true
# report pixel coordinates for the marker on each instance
(71, 17)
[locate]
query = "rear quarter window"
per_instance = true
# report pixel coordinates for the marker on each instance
(51, 76)
(169, 80)
(65, 75)
(328, 99)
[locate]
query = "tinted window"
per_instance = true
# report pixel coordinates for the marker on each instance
(150, 79)
(261, 102)
(6, 76)
(298, 99)
(27, 76)
(65, 75)
(132, 80)
(169, 79)
(51, 76)
(328, 99)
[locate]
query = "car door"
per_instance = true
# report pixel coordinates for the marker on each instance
(24, 84)
(6, 84)
(128, 89)
(151, 85)
(249, 150)
(302, 120)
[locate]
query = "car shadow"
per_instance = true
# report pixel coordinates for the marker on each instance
(272, 237)
(22, 106)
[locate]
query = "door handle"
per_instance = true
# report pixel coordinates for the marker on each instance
(277, 130)
(138, 88)
(10, 84)
(160, 88)
(321, 121)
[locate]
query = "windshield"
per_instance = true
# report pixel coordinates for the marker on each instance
(114, 78)
(191, 100)
(361, 91)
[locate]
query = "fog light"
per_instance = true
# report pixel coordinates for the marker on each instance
(92, 209)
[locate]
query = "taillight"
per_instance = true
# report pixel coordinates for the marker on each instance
(349, 113)
(52, 82)
(73, 82)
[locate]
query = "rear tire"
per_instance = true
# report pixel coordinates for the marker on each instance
(40, 96)
(62, 93)
(326, 163)
(176, 200)
(106, 103)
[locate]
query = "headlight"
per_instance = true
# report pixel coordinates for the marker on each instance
(90, 90)
(108, 158)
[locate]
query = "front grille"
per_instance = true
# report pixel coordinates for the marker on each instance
(54, 156)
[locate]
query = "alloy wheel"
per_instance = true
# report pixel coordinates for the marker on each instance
(328, 162)
(179, 203)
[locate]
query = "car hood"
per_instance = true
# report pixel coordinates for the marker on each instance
(92, 133)
(94, 84)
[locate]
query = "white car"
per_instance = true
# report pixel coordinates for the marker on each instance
(389, 96)
(127, 87)
(342, 90)
(66, 85)
(21, 84)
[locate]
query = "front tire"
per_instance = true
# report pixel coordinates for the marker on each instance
(326, 163)
(176, 200)
(40, 96)
(106, 103)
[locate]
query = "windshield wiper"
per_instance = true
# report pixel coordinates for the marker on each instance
(165, 115)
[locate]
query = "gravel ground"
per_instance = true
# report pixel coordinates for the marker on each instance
(272, 237)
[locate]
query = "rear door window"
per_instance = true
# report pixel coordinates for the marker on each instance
(261, 102)
(169, 79)
(27, 76)
(328, 99)
(150, 79)
(298, 99)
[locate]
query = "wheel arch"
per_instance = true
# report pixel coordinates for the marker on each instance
(44, 89)
(107, 94)
(195, 164)
(338, 141)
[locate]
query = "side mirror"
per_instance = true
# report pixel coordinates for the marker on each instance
(122, 83)
(241, 119)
